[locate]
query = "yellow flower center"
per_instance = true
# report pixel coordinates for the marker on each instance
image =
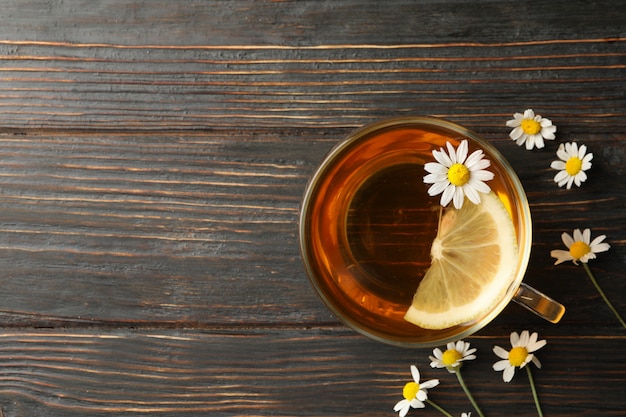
(517, 356)
(579, 249)
(450, 357)
(573, 165)
(530, 126)
(410, 390)
(458, 174)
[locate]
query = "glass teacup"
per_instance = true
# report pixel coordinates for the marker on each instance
(367, 224)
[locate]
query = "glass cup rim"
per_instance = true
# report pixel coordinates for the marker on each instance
(365, 132)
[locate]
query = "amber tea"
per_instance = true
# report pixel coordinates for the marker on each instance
(367, 225)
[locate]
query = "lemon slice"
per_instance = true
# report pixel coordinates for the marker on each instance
(474, 260)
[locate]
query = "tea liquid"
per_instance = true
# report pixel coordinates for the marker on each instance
(372, 223)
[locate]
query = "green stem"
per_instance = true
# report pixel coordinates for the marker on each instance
(441, 410)
(606, 300)
(534, 390)
(457, 371)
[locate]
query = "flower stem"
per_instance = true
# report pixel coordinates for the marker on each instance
(534, 390)
(439, 408)
(469, 394)
(606, 300)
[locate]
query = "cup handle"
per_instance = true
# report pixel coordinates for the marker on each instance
(539, 303)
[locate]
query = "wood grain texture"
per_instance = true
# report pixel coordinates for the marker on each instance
(153, 159)
(195, 65)
(274, 373)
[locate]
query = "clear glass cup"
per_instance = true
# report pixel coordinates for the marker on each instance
(367, 224)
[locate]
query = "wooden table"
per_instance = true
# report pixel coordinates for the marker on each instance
(153, 157)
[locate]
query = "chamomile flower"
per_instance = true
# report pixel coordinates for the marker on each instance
(531, 129)
(580, 247)
(523, 347)
(455, 175)
(453, 356)
(414, 393)
(452, 359)
(572, 164)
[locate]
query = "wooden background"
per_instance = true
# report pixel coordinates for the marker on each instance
(152, 159)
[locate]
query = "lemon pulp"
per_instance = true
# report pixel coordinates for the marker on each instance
(474, 260)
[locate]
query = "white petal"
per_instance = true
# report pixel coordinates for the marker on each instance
(517, 134)
(508, 373)
(567, 240)
(587, 236)
(572, 149)
(538, 140)
(481, 175)
(435, 168)
(415, 403)
(421, 395)
(415, 373)
(524, 338)
(442, 157)
(597, 240)
(458, 197)
(520, 141)
(452, 153)
(530, 142)
(435, 178)
(513, 122)
(447, 195)
(536, 362)
(600, 247)
(548, 132)
(438, 188)
(561, 256)
(501, 365)
(514, 339)
(562, 153)
(461, 152)
(400, 405)
(431, 383)
(529, 114)
(581, 151)
(471, 194)
(578, 235)
(438, 353)
(560, 177)
(560, 165)
(475, 158)
(479, 186)
(501, 353)
(533, 347)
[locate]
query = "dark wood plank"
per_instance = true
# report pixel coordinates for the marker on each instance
(276, 373)
(195, 65)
